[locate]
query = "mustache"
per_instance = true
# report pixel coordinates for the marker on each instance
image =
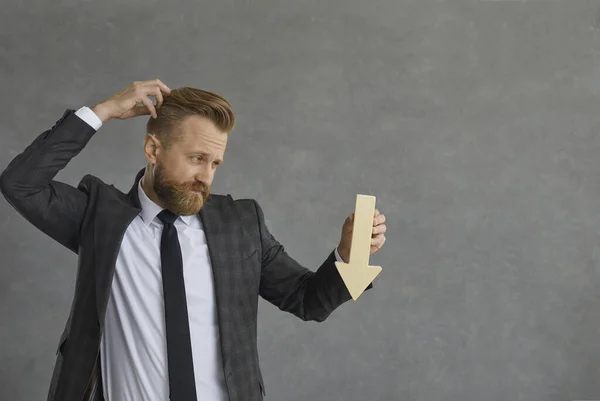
(198, 186)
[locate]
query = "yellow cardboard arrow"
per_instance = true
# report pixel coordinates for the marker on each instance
(357, 274)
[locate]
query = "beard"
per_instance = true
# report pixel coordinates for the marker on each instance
(178, 197)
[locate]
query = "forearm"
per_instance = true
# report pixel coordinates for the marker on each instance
(307, 294)
(28, 184)
(325, 291)
(33, 170)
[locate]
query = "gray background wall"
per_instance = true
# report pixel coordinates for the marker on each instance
(474, 123)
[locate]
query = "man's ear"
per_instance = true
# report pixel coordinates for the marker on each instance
(151, 148)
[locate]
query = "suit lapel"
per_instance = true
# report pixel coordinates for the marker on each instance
(116, 213)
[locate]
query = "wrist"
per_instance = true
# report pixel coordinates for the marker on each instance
(101, 111)
(344, 254)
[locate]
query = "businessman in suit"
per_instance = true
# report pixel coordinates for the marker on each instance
(169, 275)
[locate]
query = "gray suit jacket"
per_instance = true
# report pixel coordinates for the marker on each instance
(91, 220)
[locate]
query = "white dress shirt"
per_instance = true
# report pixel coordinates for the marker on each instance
(133, 347)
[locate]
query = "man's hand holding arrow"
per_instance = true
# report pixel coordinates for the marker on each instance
(363, 234)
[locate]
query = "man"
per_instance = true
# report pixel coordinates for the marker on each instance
(169, 275)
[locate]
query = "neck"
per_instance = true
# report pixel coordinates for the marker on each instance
(148, 190)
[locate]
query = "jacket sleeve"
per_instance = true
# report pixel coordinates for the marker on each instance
(293, 288)
(28, 184)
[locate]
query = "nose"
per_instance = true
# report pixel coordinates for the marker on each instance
(205, 175)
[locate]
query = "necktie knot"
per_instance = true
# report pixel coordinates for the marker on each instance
(167, 217)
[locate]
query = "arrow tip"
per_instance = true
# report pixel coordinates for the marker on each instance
(357, 278)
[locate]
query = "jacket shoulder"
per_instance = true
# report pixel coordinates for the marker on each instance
(245, 205)
(227, 200)
(247, 209)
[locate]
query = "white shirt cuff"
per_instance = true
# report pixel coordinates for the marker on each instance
(337, 255)
(87, 115)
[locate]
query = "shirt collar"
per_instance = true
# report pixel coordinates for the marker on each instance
(150, 209)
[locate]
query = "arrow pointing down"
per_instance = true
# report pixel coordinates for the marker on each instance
(357, 274)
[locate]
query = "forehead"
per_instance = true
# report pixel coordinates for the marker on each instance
(201, 134)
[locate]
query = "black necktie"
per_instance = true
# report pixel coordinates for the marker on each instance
(179, 348)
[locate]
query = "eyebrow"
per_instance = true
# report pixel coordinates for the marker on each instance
(206, 155)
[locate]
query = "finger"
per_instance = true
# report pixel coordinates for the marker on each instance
(375, 239)
(163, 87)
(375, 248)
(380, 219)
(376, 212)
(378, 240)
(157, 83)
(379, 229)
(382, 241)
(159, 98)
(140, 111)
(146, 100)
(153, 89)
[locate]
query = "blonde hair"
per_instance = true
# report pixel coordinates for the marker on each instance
(184, 102)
